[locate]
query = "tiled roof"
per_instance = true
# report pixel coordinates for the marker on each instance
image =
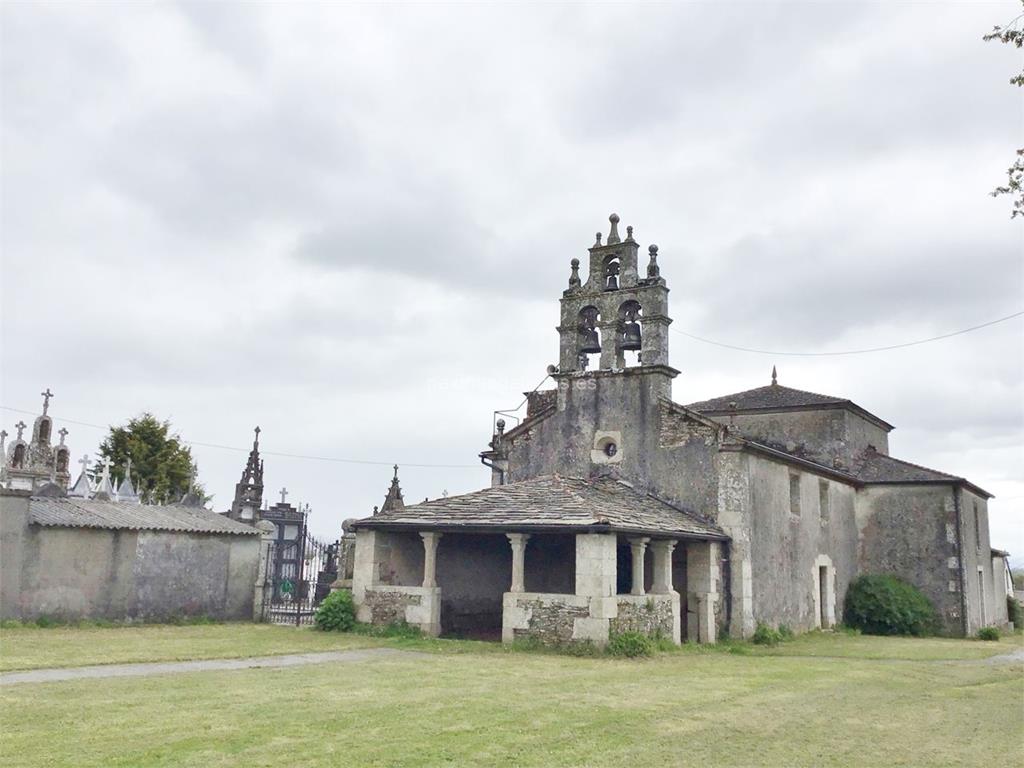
(772, 396)
(875, 467)
(552, 501)
(86, 513)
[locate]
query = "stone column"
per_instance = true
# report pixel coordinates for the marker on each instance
(269, 531)
(662, 550)
(702, 590)
(638, 546)
(518, 542)
(430, 540)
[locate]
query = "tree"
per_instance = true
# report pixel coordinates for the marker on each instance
(162, 467)
(1012, 33)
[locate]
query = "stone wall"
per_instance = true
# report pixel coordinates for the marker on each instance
(548, 618)
(648, 615)
(913, 532)
(121, 575)
(417, 606)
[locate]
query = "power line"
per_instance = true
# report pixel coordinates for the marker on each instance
(272, 453)
(851, 351)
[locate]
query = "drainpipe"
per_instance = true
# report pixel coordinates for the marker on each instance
(501, 472)
(960, 558)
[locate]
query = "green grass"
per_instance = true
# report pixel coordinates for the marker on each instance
(821, 700)
(32, 648)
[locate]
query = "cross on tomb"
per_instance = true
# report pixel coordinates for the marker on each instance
(46, 399)
(21, 428)
(284, 495)
(63, 433)
(84, 461)
(128, 467)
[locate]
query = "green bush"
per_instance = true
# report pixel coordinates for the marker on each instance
(1014, 612)
(765, 635)
(631, 644)
(337, 612)
(886, 605)
(988, 633)
(785, 633)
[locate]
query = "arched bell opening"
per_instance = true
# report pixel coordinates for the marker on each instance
(589, 337)
(612, 268)
(18, 459)
(43, 435)
(630, 333)
(62, 461)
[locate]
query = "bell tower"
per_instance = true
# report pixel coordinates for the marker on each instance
(617, 311)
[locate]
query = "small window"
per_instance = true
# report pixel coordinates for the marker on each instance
(794, 495)
(977, 526)
(823, 508)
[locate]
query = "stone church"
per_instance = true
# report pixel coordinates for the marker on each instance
(612, 507)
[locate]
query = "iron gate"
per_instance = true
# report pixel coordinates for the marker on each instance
(299, 573)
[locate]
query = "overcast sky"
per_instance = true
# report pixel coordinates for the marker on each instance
(351, 225)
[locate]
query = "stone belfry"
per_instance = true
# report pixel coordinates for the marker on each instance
(249, 490)
(616, 310)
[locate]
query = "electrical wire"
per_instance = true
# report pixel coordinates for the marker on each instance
(850, 351)
(333, 459)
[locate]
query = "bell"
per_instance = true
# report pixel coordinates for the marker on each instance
(631, 337)
(612, 284)
(591, 341)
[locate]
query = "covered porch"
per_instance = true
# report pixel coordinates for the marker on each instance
(554, 581)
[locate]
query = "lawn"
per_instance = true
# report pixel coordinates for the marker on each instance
(819, 700)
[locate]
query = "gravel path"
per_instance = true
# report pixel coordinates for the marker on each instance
(1007, 658)
(209, 665)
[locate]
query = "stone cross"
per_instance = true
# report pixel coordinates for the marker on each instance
(128, 468)
(284, 495)
(21, 428)
(3, 439)
(46, 399)
(84, 461)
(63, 433)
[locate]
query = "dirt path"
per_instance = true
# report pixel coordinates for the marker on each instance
(208, 665)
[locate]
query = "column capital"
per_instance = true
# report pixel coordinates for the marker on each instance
(431, 537)
(639, 541)
(518, 542)
(517, 539)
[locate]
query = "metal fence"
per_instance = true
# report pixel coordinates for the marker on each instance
(299, 574)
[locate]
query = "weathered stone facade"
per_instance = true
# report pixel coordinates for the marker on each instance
(647, 615)
(389, 607)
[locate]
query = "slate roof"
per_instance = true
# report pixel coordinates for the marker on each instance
(550, 502)
(777, 396)
(87, 513)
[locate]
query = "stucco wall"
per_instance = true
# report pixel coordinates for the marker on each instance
(976, 552)
(911, 531)
(79, 573)
(826, 433)
(786, 548)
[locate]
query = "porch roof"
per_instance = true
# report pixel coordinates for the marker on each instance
(552, 502)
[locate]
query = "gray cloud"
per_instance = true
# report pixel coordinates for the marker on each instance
(352, 224)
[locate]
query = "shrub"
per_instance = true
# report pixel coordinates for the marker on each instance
(1014, 612)
(337, 612)
(630, 644)
(765, 635)
(785, 633)
(988, 633)
(886, 605)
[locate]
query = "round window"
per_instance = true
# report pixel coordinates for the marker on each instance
(610, 449)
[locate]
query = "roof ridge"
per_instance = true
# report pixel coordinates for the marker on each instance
(874, 453)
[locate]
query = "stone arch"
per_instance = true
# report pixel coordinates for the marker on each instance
(589, 336)
(611, 269)
(629, 332)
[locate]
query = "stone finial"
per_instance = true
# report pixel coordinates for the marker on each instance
(20, 426)
(597, 239)
(613, 234)
(574, 278)
(396, 471)
(629, 234)
(284, 495)
(375, 510)
(3, 442)
(46, 400)
(63, 434)
(501, 426)
(732, 415)
(256, 442)
(775, 377)
(653, 270)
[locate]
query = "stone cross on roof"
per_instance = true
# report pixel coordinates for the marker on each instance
(46, 400)
(63, 433)
(284, 495)
(128, 467)
(3, 440)
(256, 442)
(20, 427)
(84, 461)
